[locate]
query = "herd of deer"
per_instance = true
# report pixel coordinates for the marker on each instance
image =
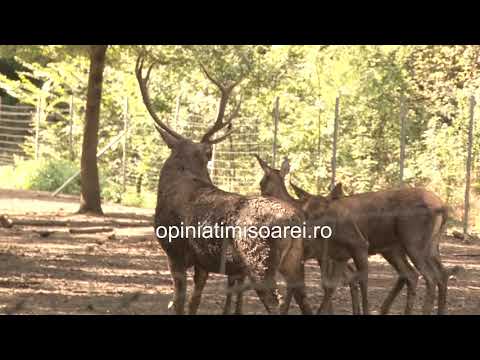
(399, 224)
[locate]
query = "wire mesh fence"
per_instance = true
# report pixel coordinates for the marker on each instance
(30, 132)
(16, 125)
(232, 168)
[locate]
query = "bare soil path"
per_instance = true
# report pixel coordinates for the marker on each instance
(127, 273)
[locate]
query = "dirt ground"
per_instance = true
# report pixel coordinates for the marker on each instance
(127, 273)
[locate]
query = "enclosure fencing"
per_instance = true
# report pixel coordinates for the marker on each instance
(17, 123)
(233, 167)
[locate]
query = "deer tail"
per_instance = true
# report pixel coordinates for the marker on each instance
(439, 223)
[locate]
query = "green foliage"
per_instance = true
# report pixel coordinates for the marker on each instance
(132, 198)
(436, 82)
(43, 175)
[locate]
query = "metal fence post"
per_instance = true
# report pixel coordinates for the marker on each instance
(469, 166)
(70, 138)
(125, 138)
(276, 116)
(318, 148)
(37, 129)
(403, 112)
(177, 109)
(212, 169)
(335, 136)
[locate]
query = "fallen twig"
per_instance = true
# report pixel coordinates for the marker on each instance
(93, 230)
(8, 223)
(465, 237)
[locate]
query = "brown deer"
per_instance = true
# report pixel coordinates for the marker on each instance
(397, 223)
(187, 196)
(347, 242)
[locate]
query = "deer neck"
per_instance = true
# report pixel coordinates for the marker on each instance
(283, 194)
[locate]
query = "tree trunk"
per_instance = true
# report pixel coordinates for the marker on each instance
(335, 139)
(90, 189)
(319, 190)
(276, 116)
(403, 112)
(469, 166)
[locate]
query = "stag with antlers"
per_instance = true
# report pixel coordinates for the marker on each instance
(186, 195)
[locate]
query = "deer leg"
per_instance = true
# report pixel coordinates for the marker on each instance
(328, 269)
(301, 299)
(199, 279)
(360, 257)
(265, 288)
(235, 285)
(228, 300)
(442, 276)
(420, 262)
(285, 303)
(354, 290)
(442, 291)
(239, 303)
(296, 290)
(294, 273)
(331, 283)
(355, 295)
(407, 276)
(392, 295)
(298, 284)
(179, 277)
(262, 280)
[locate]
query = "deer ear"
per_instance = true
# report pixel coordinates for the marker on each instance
(209, 151)
(169, 139)
(308, 207)
(285, 168)
(337, 192)
(263, 164)
(302, 194)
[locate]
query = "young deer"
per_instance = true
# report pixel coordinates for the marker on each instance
(397, 223)
(187, 196)
(273, 184)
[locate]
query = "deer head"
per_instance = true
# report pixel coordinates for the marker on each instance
(315, 205)
(337, 192)
(273, 181)
(301, 194)
(188, 155)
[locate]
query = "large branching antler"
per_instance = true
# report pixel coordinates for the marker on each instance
(221, 122)
(143, 82)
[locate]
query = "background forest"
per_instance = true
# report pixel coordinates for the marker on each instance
(435, 83)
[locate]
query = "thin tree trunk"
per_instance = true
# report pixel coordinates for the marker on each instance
(276, 116)
(90, 188)
(335, 136)
(318, 149)
(469, 166)
(402, 138)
